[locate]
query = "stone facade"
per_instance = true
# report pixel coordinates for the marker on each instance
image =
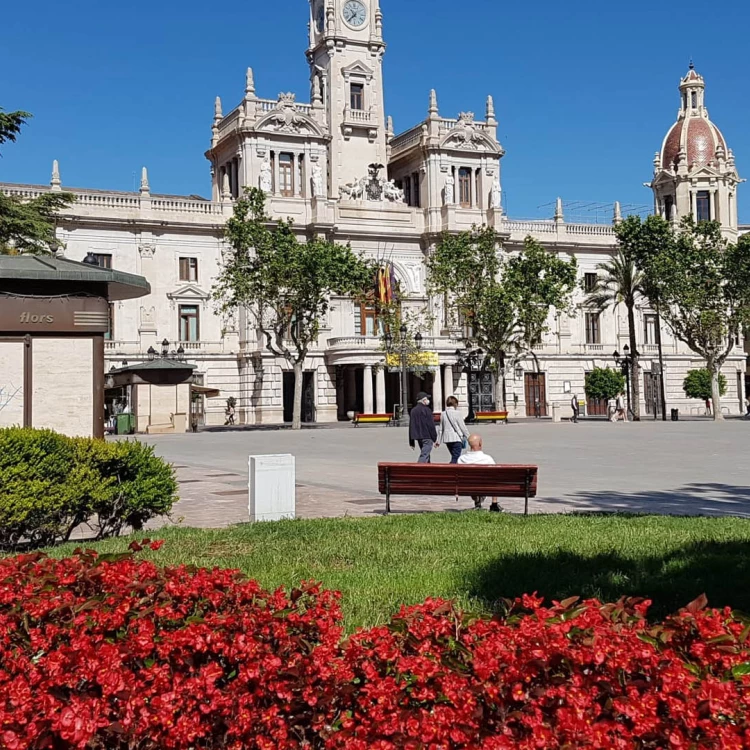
(337, 169)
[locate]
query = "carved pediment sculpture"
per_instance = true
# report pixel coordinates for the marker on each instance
(286, 117)
(467, 136)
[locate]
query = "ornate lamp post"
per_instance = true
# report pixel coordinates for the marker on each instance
(470, 360)
(402, 349)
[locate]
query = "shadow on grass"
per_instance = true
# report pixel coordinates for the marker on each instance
(718, 569)
(707, 499)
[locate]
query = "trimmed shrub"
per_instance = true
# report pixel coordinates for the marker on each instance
(604, 383)
(697, 384)
(50, 484)
(114, 652)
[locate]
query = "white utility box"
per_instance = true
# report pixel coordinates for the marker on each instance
(272, 488)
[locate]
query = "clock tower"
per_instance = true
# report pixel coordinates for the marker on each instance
(346, 67)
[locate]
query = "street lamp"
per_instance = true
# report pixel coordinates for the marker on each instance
(151, 354)
(165, 348)
(470, 360)
(181, 353)
(402, 349)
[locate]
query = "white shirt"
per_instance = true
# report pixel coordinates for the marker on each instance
(477, 458)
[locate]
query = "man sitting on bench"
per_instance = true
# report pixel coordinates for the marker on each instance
(477, 457)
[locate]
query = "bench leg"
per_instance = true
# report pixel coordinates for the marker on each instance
(528, 490)
(387, 491)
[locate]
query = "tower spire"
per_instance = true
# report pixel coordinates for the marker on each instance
(145, 190)
(490, 117)
(249, 84)
(55, 181)
(433, 110)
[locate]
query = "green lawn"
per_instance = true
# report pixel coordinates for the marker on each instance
(477, 558)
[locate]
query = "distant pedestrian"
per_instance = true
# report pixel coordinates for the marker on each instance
(622, 412)
(612, 410)
(229, 413)
(422, 428)
(452, 430)
(747, 406)
(709, 411)
(576, 408)
(477, 457)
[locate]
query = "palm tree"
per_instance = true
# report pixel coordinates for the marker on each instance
(620, 282)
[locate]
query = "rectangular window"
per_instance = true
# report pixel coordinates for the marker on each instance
(407, 191)
(357, 96)
(188, 269)
(649, 329)
(286, 175)
(590, 282)
(593, 329)
(370, 324)
(703, 205)
(110, 334)
(416, 197)
(464, 187)
(103, 259)
(189, 323)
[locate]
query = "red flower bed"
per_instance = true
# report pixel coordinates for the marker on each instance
(115, 652)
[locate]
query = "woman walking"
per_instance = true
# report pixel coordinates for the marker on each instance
(452, 430)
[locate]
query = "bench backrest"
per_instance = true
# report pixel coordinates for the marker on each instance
(457, 480)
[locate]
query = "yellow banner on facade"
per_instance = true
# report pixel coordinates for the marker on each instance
(414, 361)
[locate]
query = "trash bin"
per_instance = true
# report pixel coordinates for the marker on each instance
(125, 424)
(675, 415)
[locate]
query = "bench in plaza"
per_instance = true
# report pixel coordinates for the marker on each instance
(457, 480)
(385, 419)
(491, 416)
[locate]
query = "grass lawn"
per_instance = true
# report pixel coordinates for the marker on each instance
(477, 558)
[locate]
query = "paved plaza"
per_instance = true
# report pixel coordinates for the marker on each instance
(674, 468)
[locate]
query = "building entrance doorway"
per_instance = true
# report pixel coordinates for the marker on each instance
(595, 407)
(536, 394)
(652, 393)
(308, 397)
(482, 390)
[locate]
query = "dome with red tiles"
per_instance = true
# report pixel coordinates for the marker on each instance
(693, 134)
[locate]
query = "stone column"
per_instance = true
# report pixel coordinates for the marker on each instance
(350, 388)
(448, 382)
(298, 177)
(380, 405)
(437, 390)
(368, 404)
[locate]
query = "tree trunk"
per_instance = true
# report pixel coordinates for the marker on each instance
(715, 392)
(635, 370)
(500, 389)
(298, 378)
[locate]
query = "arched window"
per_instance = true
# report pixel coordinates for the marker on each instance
(464, 187)
(694, 99)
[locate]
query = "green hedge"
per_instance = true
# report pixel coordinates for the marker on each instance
(50, 484)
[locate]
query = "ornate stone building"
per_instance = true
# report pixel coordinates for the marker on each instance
(337, 169)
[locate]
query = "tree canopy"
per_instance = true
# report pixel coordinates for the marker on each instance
(700, 281)
(283, 283)
(505, 299)
(27, 225)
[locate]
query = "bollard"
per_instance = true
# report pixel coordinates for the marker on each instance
(272, 488)
(556, 413)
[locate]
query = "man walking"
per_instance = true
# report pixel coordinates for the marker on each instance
(422, 428)
(576, 408)
(477, 457)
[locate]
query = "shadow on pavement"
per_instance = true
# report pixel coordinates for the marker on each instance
(711, 499)
(671, 580)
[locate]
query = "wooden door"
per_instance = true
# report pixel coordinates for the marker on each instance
(536, 394)
(482, 389)
(652, 393)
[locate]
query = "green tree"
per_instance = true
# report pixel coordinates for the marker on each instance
(283, 284)
(701, 282)
(27, 226)
(698, 384)
(620, 282)
(505, 299)
(603, 383)
(11, 124)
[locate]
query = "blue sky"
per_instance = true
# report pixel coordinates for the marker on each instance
(584, 91)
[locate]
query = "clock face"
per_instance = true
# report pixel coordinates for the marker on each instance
(355, 14)
(320, 18)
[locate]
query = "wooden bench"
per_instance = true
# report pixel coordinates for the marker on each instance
(385, 419)
(456, 480)
(491, 416)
